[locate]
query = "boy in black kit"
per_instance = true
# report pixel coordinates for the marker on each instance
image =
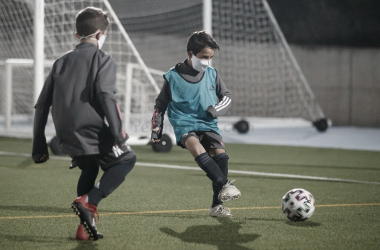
(81, 90)
(190, 95)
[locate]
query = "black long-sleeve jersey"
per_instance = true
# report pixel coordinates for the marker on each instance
(193, 76)
(81, 91)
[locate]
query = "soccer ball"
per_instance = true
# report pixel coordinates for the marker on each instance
(298, 204)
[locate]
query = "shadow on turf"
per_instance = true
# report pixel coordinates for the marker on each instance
(38, 209)
(303, 223)
(49, 240)
(224, 236)
(36, 239)
(83, 245)
(26, 163)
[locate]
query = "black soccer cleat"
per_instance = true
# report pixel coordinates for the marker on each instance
(87, 212)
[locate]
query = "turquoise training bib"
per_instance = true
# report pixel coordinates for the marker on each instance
(187, 110)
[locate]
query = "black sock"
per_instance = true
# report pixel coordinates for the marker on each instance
(90, 170)
(222, 161)
(212, 169)
(111, 179)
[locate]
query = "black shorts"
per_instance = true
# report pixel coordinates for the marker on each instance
(209, 140)
(105, 160)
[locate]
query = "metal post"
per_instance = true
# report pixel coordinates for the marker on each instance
(8, 96)
(39, 55)
(207, 16)
(128, 98)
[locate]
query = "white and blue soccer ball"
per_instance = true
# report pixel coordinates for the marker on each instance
(298, 204)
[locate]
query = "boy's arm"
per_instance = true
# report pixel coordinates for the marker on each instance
(162, 102)
(105, 84)
(40, 151)
(225, 98)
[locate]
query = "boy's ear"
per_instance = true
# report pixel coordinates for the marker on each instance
(77, 36)
(189, 54)
(100, 34)
(97, 36)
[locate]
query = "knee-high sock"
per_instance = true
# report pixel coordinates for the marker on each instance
(90, 170)
(111, 179)
(212, 169)
(222, 161)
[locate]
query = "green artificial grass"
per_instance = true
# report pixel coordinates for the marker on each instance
(161, 208)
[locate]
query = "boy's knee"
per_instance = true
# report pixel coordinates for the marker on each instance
(220, 156)
(127, 166)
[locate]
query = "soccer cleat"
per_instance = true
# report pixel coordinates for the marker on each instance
(86, 212)
(220, 211)
(229, 192)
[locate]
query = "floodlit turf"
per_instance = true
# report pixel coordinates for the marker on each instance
(161, 208)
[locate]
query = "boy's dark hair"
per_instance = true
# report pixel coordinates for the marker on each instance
(91, 19)
(200, 40)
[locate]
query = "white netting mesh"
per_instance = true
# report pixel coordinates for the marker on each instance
(254, 61)
(255, 64)
(16, 41)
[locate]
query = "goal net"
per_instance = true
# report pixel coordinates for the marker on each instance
(254, 61)
(17, 54)
(145, 39)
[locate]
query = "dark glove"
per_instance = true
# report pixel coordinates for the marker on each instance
(212, 111)
(156, 136)
(40, 158)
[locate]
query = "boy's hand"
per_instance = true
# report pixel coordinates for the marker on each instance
(154, 137)
(40, 158)
(212, 111)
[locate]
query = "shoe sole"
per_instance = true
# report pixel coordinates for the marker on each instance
(91, 231)
(229, 198)
(217, 216)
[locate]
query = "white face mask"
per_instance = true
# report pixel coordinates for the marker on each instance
(100, 41)
(198, 64)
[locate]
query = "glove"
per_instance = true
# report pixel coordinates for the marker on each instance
(156, 135)
(212, 111)
(40, 158)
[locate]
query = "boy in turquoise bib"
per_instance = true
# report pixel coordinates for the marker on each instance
(190, 94)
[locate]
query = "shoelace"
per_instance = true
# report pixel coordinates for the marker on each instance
(229, 183)
(94, 211)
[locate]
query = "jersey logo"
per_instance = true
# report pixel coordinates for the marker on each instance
(212, 87)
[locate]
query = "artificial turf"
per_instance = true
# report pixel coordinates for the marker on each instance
(161, 208)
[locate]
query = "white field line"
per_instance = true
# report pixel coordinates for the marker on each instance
(144, 164)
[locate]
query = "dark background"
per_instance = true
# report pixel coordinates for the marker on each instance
(354, 23)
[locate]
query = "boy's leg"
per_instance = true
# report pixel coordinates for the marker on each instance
(214, 144)
(203, 159)
(114, 175)
(220, 158)
(116, 167)
(90, 170)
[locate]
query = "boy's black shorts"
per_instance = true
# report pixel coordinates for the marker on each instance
(105, 160)
(208, 139)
